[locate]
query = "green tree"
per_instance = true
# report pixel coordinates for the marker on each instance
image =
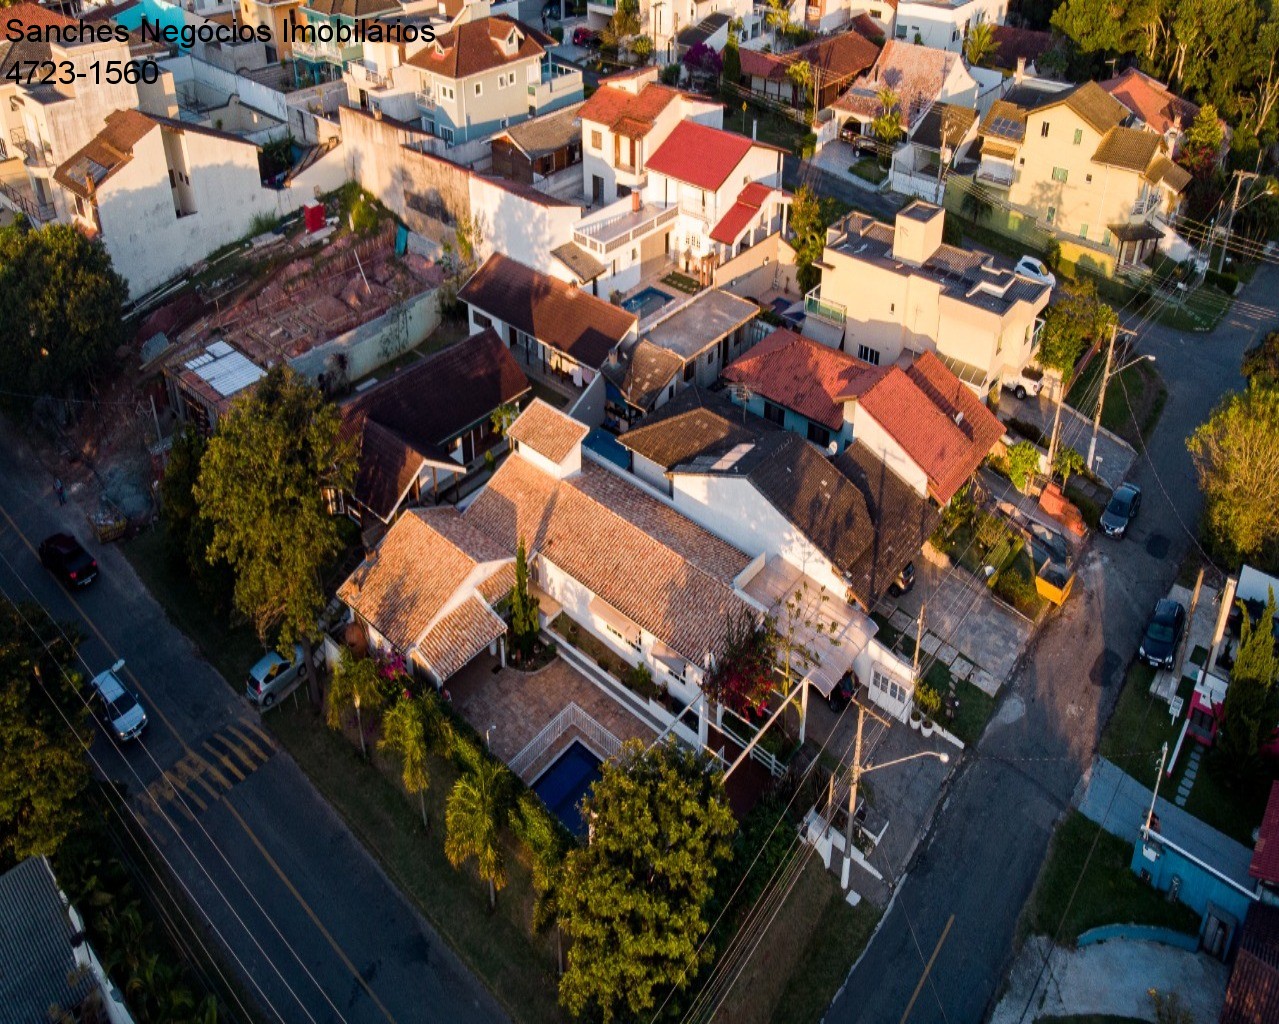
(634, 900)
(777, 17)
(262, 483)
(1236, 456)
(622, 25)
(732, 61)
(1261, 362)
(741, 677)
(503, 416)
(188, 533)
(42, 766)
(980, 46)
(1205, 134)
(1023, 464)
(545, 841)
(800, 76)
(642, 47)
(808, 236)
(62, 307)
(887, 126)
(473, 822)
(1249, 715)
(1074, 321)
(1066, 463)
(404, 736)
(524, 608)
(355, 686)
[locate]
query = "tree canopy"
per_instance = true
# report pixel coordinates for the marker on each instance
(1236, 456)
(1261, 362)
(1076, 319)
(42, 766)
(979, 47)
(634, 899)
(808, 236)
(1249, 715)
(261, 486)
(742, 676)
(61, 304)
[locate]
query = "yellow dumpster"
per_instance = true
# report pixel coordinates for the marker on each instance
(1053, 581)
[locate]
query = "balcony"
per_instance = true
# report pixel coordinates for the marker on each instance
(23, 201)
(425, 103)
(994, 173)
(616, 227)
(329, 53)
(1144, 206)
(365, 75)
(695, 208)
(823, 309)
(557, 80)
(33, 155)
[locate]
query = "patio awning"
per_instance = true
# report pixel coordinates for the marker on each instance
(671, 658)
(610, 616)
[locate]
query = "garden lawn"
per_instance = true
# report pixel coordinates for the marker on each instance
(1076, 891)
(1134, 398)
(869, 169)
(1200, 310)
(498, 947)
(1235, 809)
(1140, 724)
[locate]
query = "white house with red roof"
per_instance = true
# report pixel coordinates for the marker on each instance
(918, 76)
(710, 195)
(1155, 107)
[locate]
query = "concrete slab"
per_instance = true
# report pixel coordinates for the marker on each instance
(930, 643)
(985, 682)
(961, 668)
(900, 621)
(947, 654)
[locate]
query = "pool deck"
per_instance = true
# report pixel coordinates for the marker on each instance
(513, 707)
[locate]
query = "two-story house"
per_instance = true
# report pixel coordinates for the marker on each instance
(322, 34)
(1071, 161)
(624, 122)
(888, 290)
(944, 24)
(917, 76)
(483, 76)
(1154, 106)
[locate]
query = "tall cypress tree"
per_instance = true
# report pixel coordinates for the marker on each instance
(524, 607)
(1250, 711)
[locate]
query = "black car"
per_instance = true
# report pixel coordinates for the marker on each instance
(1121, 510)
(845, 690)
(1159, 645)
(63, 556)
(904, 582)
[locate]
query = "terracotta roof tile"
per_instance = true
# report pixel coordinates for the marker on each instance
(700, 155)
(1265, 855)
(477, 46)
(459, 636)
(1014, 43)
(1129, 148)
(548, 309)
(694, 424)
(1252, 997)
(836, 57)
(642, 373)
(352, 8)
(611, 105)
(803, 375)
(547, 431)
(1151, 100)
(738, 216)
(914, 73)
(104, 154)
(864, 25)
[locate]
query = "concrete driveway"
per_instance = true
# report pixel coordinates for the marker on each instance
(972, 876)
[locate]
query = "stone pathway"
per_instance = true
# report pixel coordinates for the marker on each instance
(933, 645)
(1188, 779)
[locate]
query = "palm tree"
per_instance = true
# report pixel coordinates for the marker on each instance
(472, 818)
(355, 684)
(980, 44)
(887, 127)
(404, 735)
(801, 78)
(778, 18)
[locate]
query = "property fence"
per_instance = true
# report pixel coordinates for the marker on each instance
(1139, 933)
(572, 717)
(774, 765)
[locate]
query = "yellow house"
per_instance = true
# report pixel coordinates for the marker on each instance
(1072, 160)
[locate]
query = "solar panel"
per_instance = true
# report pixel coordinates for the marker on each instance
(1008, 127)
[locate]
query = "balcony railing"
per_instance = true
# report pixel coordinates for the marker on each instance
(610, 233)
(366, 75)
(995, 174)
(329, 52)
(1143, 206)
(697, 209)
(37, 213)
(425, 102)
(832, 312)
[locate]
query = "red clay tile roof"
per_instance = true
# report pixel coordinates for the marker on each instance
(749, 202)
(1150, 100)
(916, 75)
(34, 14)
(919, 407)
(1265, 855)
(627, 113)
(477, 46)
(1014, 43)
(1252, 997)
(415, 571)
(459, 636)
(803, 375)
(553, 311)
(547, 431)
(864, 25)
(645, 573)
(836, 57)
(104, 154)
(699, 155)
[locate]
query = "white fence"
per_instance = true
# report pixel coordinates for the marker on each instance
(603, 742)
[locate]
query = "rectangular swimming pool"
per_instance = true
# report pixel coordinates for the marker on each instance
(647, 302)
(565, 782)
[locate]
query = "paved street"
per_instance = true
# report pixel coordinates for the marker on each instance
(321, 934)
(972, 876)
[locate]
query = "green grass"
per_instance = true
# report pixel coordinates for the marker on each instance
(1232, 808)
(1016, 584)
(869, 169)
(975, 709)
(231, 650)
(774, 128)
(888, 634)
(1070, 898)
(1134, 398)
(517, 968)
(681, 282)
(1200, 310)
(1139, 724)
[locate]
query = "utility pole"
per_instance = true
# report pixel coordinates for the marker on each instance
(854, 778)
(1101, 398)
(919, 636)
(1230, 216)
(1163, 760)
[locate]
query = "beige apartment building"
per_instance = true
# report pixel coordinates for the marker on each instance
(1072, 161)
(889, 293)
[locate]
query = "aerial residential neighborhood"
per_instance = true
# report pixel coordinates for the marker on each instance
(615, 511)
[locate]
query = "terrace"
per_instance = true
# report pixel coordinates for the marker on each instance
(620, 224)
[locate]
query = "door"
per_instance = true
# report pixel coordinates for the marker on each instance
(597, 189)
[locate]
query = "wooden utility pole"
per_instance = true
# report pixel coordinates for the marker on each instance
(1101, 398)
(1190, 621)
(854, 779)
(919, 639)
(1163, 760)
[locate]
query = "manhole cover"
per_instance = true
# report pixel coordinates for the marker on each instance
(1104, 668)
(1157, 545)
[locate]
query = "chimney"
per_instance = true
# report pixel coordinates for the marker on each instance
(1020, 73)
(635, 201)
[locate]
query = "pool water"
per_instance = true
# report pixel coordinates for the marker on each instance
(565, 782)
(647, 302)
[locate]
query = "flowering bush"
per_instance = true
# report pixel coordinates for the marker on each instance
(742, 678)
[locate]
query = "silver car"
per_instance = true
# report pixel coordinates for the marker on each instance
(273, 678)
(117, 706)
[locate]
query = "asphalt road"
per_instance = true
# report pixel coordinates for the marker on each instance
(319, 932)
(973, 873)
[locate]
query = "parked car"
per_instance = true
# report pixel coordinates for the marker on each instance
(904, 582)
(1034, 269)
(1029, 381)
(1121, 510)
(859, 142)
(1159, 645)
(589, 39)
(66, 558)
(116, 705)
(273, 678)
(844, 692)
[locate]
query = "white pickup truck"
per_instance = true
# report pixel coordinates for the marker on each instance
(1028, 382)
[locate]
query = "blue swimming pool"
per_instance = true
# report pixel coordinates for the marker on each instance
(647, 302)
(565, 782)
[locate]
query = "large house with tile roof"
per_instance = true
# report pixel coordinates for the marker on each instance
(891, 292)
(1073, 162)
(1154, 106)
(835, 61)
(918, 76)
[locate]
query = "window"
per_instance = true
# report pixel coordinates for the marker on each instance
(1083, 230)
(710, 358)
(888, 686)
(481, 321)
(689, 370)
(446, 134)
(1088, 179)
(1060, 174)
(1043, 129)
(597, 140)
(774, 413)
(877, 14)
(868, 355)
(1052, 214)
(1079, 136)
(479, 88)
(818, 434)
(447, 92)
(1105, 238)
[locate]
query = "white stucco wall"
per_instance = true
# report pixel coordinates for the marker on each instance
(520, 228)
(868, 432)
(942, 26)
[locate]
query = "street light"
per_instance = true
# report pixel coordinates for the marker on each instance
(487, 731)
(1235, 205)
(1106, 374)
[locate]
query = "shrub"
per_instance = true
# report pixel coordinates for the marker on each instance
(640, 679)
(1222, 281)
(806, 146)
(1015, 587)
(669, 75)
(557, 33)
(927, 700)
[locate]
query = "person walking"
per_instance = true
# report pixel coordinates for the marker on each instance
(60, 491)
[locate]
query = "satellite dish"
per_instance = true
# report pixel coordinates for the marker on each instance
(833, 448)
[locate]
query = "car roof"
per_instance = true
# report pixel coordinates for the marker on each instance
(63, 542)
(269, 660)
(1167, 607)
(1126, 488)
(109, 685)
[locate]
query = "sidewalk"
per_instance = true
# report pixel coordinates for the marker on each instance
(1115, 456)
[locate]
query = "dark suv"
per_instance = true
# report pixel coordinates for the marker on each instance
(63, 556)
(1159, 644)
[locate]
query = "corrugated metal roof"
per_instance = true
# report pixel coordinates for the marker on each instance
(225, 369)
